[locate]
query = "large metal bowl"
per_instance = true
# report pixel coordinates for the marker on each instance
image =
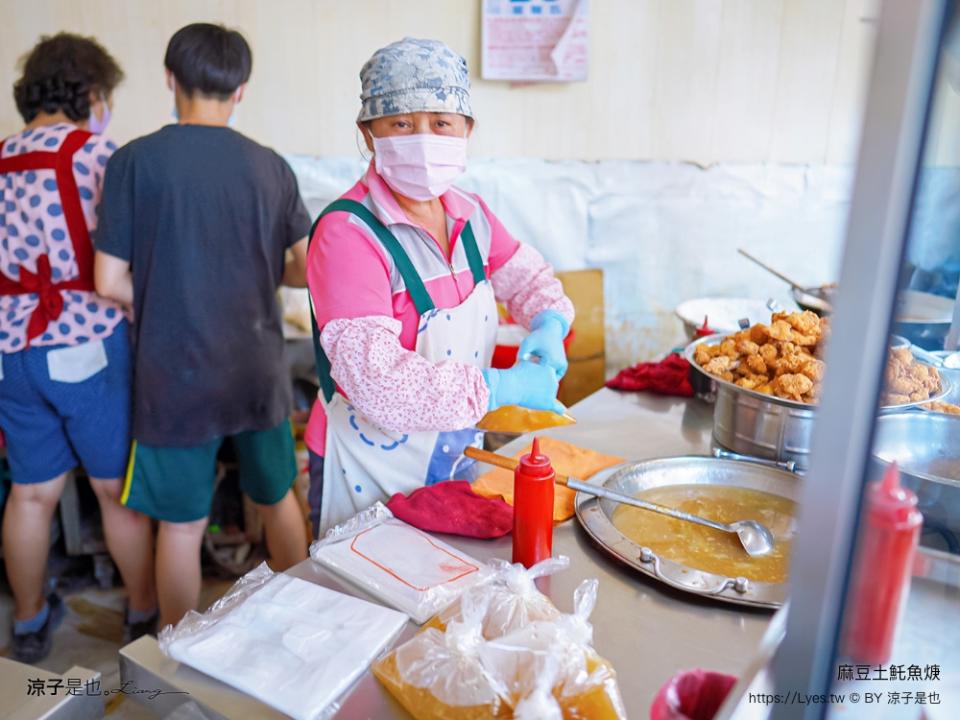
(765, 426)
(926, 447)
(595, 516)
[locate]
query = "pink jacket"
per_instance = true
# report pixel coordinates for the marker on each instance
(369, 330)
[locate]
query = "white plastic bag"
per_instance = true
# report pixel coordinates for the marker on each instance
(440, 675)
(291, 644)
(513, 598)
(540, 704)
(585, 684)
(399, 564)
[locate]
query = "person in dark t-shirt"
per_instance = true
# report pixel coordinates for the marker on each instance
(195, 225)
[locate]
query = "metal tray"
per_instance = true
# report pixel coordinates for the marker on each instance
(594, 516)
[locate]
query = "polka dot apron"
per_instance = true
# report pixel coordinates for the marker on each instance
(365, 463)
(41, 282)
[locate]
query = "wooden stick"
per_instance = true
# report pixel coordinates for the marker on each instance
(501, 461)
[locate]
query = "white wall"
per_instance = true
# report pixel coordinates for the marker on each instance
(742, 81)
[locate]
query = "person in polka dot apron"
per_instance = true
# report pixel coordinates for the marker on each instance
(405, 271)
(64, 350)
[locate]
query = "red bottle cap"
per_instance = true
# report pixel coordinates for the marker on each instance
(704, 330)
(889, 500)
(535, 464)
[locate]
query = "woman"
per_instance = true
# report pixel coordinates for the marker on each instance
(404, 272)
(64, 351)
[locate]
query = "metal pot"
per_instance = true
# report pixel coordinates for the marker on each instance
(751, 423)
(926, 447)
(768, 428)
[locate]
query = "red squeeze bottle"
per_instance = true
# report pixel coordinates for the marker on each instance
(533, 508)
(884, 564)
(704, 330)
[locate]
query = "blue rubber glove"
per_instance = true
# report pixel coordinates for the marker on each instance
(527, 384)
(545, 341)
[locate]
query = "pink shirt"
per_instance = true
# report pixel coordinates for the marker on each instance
(369, 330)
(32, 224)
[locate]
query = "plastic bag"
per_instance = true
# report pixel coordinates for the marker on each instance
(540, 704)
(586, 685)
(518, 420)
(513, 599)
(291, 644)
(401, 565)
(440, 675)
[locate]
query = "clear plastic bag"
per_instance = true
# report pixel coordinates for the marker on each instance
(291, 644)
(440, 675)
(513, 598)
(586, 685)
(401, 565)
(541, 704)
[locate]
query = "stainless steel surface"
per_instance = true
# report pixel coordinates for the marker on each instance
(902, 76)
(921, 308)
(719, 452)
(634, 614)
(53, 704)
(815, 299)
(926, 447)
(755, 538)
(595, 516)
(758, 426)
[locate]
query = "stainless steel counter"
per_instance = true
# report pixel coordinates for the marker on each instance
(647, 631)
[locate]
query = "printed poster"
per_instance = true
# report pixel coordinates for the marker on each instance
(535, 40)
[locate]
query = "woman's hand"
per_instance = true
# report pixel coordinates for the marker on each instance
(526, 384)
(545, 341)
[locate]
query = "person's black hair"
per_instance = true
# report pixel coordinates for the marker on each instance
(60, 73)
(209, 59)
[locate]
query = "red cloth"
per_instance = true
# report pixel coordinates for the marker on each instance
(692, 695)
(670, 376)
(453, 507)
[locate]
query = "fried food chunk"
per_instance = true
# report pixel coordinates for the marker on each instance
(785, 359)
(792, 386)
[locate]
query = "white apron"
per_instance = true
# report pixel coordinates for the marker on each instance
(364, 463)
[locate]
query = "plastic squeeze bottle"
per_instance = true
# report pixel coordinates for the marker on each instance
(533, 482)
(882, 575)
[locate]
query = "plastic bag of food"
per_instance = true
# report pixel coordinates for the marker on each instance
(541, 704)
(399, 564)
(513, 599)
(440, 675)
(518, 420)
(586, 684)
(292, 644)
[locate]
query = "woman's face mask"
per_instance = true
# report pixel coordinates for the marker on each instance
(419, 155)
(420, 167)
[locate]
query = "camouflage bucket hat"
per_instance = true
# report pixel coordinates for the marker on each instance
(414, 75)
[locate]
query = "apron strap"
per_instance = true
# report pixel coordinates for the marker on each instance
(411, 278)
(473, 254)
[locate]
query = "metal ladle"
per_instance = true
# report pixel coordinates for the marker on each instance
(756, 539)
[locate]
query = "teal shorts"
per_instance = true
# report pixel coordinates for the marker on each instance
(176, 484)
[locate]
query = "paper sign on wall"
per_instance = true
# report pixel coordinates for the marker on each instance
(535, 40)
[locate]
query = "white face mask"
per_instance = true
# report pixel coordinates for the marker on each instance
(420, 167)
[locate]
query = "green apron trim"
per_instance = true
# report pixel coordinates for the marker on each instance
(411, 278)
(473, 254)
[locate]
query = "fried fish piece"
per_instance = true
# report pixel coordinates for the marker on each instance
(792, 386)
(719, 365)
(757, 365)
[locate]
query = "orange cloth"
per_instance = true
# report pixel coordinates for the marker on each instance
(566, 459)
